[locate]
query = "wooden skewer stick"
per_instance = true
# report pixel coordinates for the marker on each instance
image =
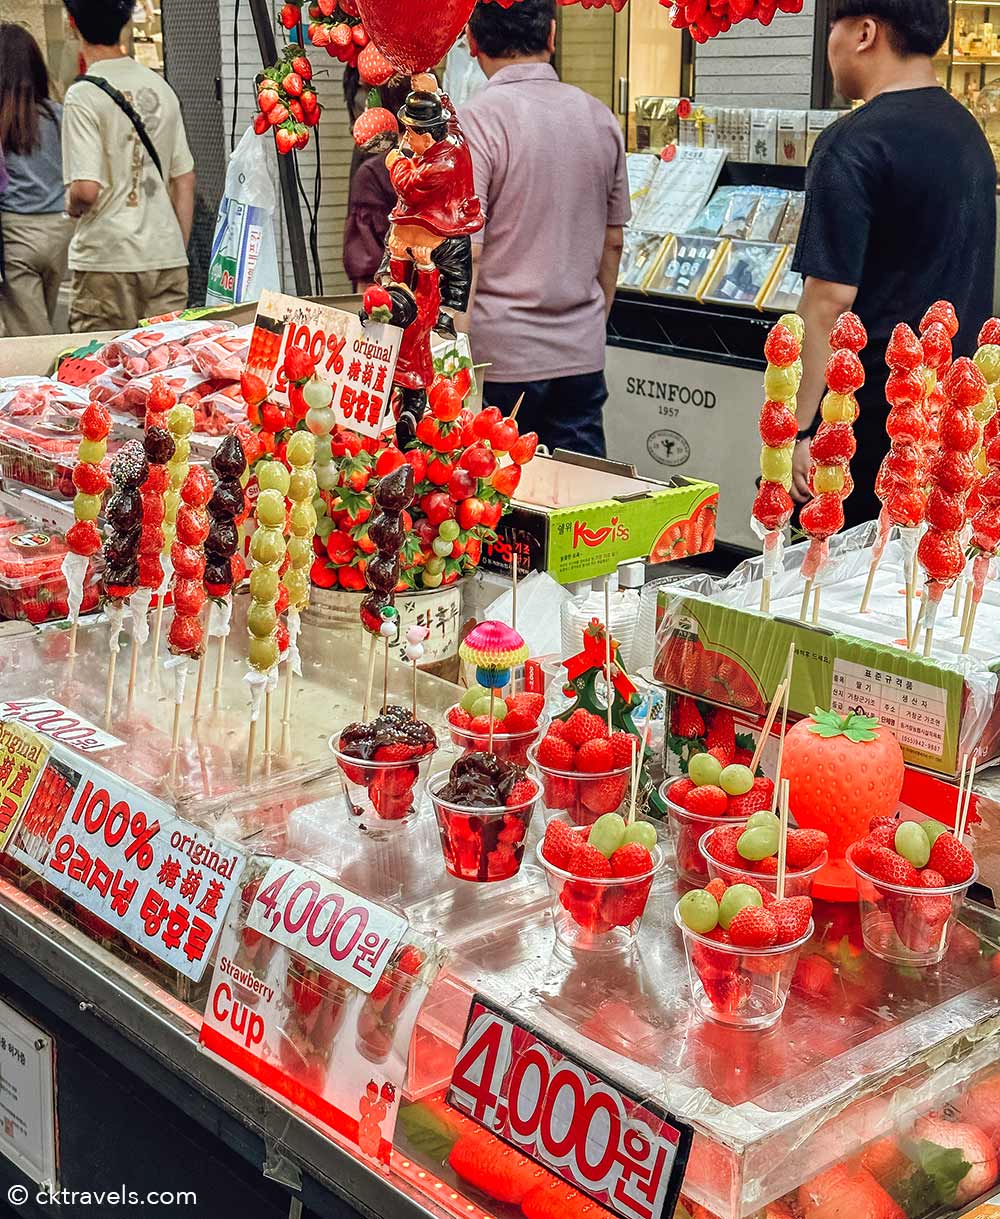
(493, 697)
(513, 591)
(199, 683)
(157, 627)
(175, 743)
(806, 594)
(109, 690)
(956, 604)
(373, 640)
(960, 828)
(251, 742)
(780, 695)
(132, 673)
(385, 673)
(286, 712)
(267, 733)
(517, 406)
(782, 839)
(909, 609)
(784, 723)
(961, 790)
(816, 596)
(219, 668)
(609, 689)
(928, 641)
(911, 641)
(866, 597)
(969, 628)
(72, 640)
(638, 757)
(765, 595)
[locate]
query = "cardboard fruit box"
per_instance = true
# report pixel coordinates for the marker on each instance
(578, 518)
(714, 643)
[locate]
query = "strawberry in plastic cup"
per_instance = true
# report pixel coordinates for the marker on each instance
(742, 948)
(598, 900)
(471, 734)
(719, 849)
(906, 924)
(379, 1017)
(486, 842)
(687, 829)
(583, 796)
(384, 766)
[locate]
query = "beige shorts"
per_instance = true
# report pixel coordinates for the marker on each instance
(119, 300)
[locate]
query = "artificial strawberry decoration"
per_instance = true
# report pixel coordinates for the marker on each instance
(842, 771)
(376, 129)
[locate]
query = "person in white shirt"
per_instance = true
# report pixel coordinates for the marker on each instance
(128, 254)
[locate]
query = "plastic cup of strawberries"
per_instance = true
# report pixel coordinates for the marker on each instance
(591, 911)
(380, 1013)
(688, 827)
(736, 980)
(483, 844)
(907, 913)
(313, 1002)
(583, 778)
(718, 849)
(384, 791)
(471, 734)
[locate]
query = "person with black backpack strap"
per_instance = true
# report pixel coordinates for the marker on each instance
(129, 180)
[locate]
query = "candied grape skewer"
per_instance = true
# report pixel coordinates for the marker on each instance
(83, 538)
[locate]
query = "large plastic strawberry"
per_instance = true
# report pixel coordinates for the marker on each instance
(842, 771)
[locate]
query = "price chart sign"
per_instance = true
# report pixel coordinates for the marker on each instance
(332, 927)
(356, 360)
(627, 1154)
(57, 722)
(127, 860)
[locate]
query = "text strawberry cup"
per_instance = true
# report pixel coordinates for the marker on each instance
(483, 807)
(384, 766)
(912, 878)
(600, 879)
(742, 947)
(585, 771)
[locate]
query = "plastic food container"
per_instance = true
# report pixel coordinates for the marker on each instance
(797, 884)
(509, 746)
(383, 797)
(743, 988)
(907, 926)
(592, 915)
(32, 586)
(582, 797)
(481, 844)
(39, 456)
(686, 833)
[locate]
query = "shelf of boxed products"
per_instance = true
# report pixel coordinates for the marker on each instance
(864, 1054)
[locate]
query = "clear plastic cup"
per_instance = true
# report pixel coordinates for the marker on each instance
(797, 884)
(383, 798)
(597, 915)
(509, 746)
(481, 844)
(686, 832)
(907, 926)
(740, 987)
(582, 797)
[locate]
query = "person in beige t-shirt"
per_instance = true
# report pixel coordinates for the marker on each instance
(128, 254)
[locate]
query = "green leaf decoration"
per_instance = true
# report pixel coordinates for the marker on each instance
(946, 1167)
(857, 728)
(427, 1132)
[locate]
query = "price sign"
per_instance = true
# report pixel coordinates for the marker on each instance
(627, 1154)
(22, 759)
(124, 857)
(330, 926)
(57, 722)
(357, 360)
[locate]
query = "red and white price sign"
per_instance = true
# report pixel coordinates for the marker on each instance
(58, 723)
(124, 857)
(357, 360)
(627, 1154)
(330, 926)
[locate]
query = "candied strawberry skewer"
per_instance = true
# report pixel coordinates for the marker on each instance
(180, 423)
(300, 453)
(900, 483)
(952, 477)
(121, 548)
(773, 507)
(158, 445)
(832, 449)
(83, 538)
(226, 510)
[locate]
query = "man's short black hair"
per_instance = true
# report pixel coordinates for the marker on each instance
(506, 33)
(100, 22)
(917, 27)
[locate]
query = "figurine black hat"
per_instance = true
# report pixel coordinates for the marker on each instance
(421, 112)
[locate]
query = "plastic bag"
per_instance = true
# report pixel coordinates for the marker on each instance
(244, 257)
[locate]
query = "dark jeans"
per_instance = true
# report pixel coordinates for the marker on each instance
(566, 412)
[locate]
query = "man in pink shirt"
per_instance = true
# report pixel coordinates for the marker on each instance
(549, 165)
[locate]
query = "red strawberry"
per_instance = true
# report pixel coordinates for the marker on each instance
(773, 506)
(373, 67)
(400, 752)
(595, 757)
(530, 705)
(845, 373)
(505, 480)
(679, 791)
(624, 748)
(782, 347)
(883, 835)
(833, 444)
(886, 865)
(559, 792)
(792, 917)
(687, 719)
(730, 993)
(708, 801)
(522, 793)
(722, 736)
(523, 449)
(587, 861)
(814, 977)
(633, 859)
(559, 844)
(823, 516)
(717, 888)
(755, 800)
(517, 722)
(583, 726)
(804, 848)
(556, 753)
(480, 724)
(722, 845)
(603, 795)
(929, 879)
(375, 129)
(290, 15)
(744, 878)
(952, 860)
(878, 822)
(778, 426)
(849, 332)
(754, 927)
(459, 717)
(623, 904)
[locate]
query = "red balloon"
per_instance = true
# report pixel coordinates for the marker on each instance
(414, 37)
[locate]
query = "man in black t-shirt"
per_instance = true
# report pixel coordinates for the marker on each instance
(900, 212)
